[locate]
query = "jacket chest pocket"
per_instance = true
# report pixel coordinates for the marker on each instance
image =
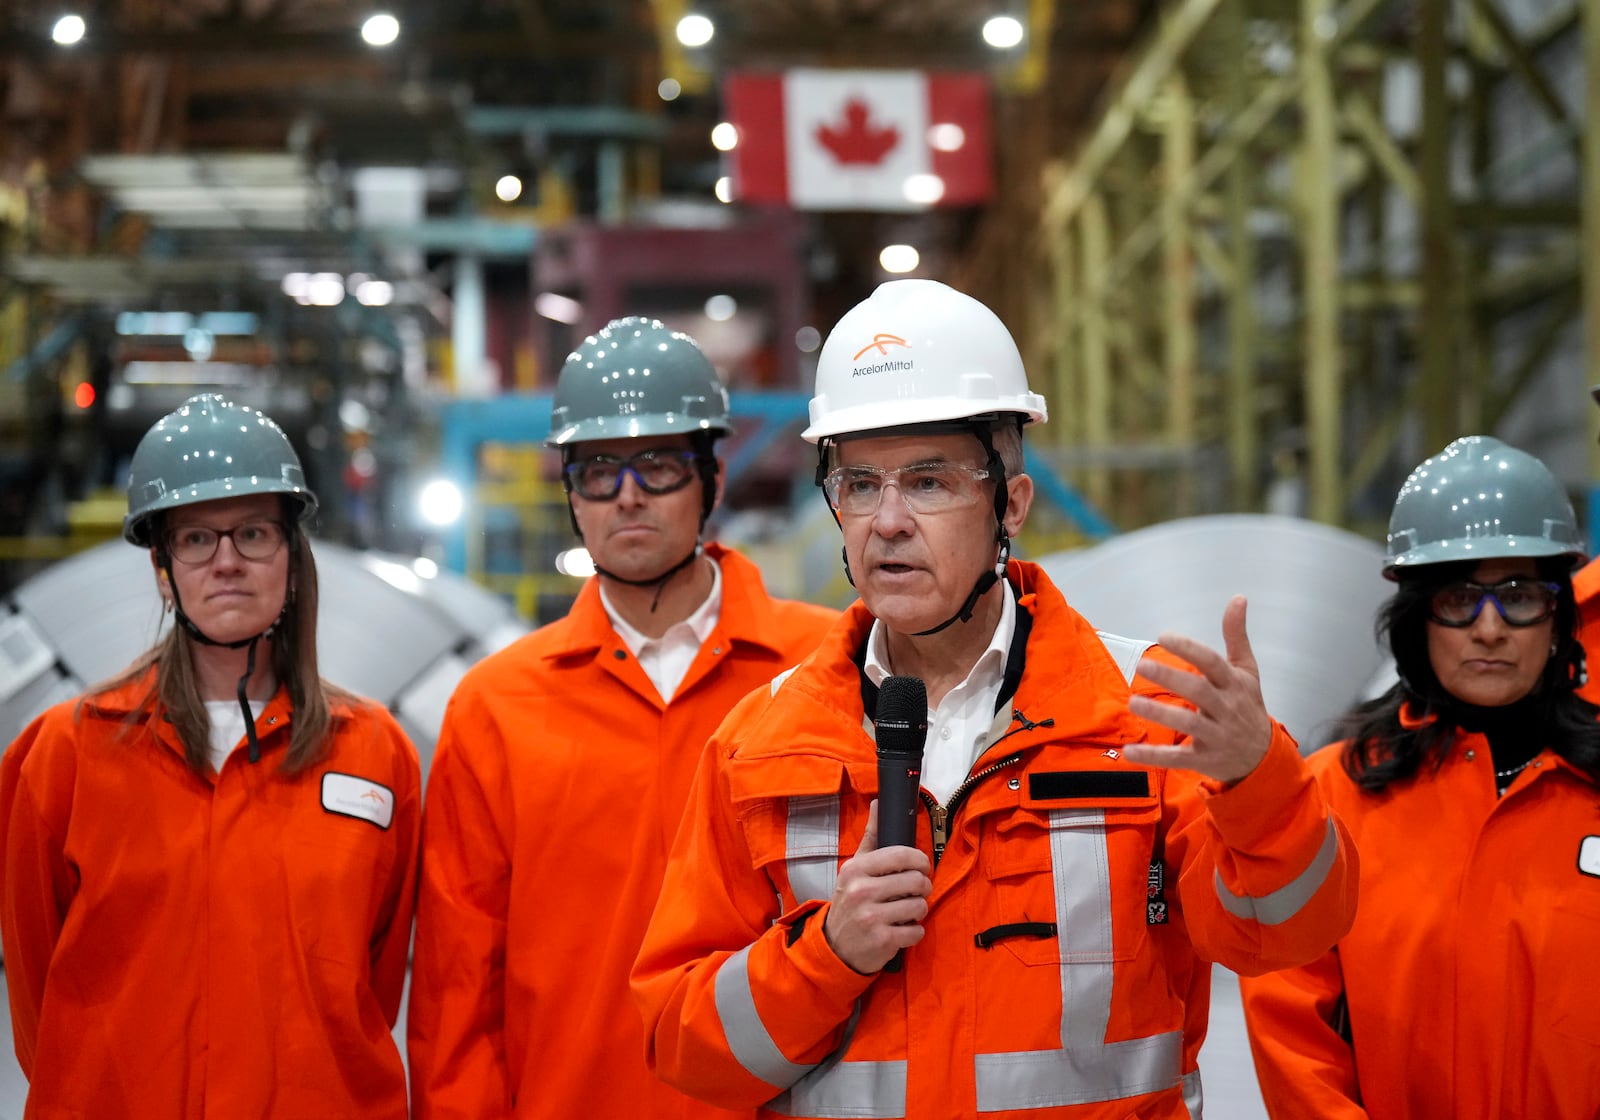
(795, 842)
(1081, 868)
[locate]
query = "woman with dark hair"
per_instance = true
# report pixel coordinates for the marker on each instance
(209, 861)
(1466, 988)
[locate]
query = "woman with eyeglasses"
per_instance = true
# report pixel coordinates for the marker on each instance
(1466, 989)
(210, 861)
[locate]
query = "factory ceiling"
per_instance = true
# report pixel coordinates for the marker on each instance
(234, 125)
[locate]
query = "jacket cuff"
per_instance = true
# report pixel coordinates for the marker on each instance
(1266, 802)
(836, 984)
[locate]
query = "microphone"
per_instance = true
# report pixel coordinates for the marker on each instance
(902, 732)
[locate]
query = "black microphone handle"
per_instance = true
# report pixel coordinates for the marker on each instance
(901, 732)
(899, 779)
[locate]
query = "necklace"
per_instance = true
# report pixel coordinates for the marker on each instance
(1515, 770)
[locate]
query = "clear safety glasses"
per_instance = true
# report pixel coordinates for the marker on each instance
(1521, 601)
(932, 487)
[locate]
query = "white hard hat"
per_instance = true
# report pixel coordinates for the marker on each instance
(917, 352)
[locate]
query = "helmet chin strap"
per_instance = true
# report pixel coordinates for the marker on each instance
(199, 635)
(658, 582)
(997, 470)
(979, 590)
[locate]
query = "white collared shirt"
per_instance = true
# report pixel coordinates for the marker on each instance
(967, 710)
(666, 659)
(227, 727)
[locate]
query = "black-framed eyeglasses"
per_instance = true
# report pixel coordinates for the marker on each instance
(1520, 601)
(931, 487)
(658, 470)
(254, 540)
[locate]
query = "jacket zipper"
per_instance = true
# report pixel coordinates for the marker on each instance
(939, 815)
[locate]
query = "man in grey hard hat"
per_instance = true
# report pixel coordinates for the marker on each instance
(565, 760)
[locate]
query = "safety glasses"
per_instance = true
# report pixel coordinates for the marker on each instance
(659, 470)
(932, 487)
(1521, 602)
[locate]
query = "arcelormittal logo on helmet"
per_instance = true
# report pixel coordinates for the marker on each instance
(880, 346)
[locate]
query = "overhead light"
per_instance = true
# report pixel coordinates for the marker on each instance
(508, 188)
(1002, 32)
(725, 137)
(199, 343)
(562, 309)
(440, 502)
(724, 189)
(374, 293)
(575, 562)
(355, 416)
(380, 29)
(721, 308)
(668, 89)
(946, 137)
(68, 30)
(324, 289)
(899, 258)
(923, 189)
(807, 339)
(695, 30)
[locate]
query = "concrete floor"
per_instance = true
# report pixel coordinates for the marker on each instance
(1229, 1078)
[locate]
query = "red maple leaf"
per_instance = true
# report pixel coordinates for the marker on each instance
(857, 140)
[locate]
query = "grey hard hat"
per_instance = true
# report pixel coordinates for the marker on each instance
(636, 377)
(1480, 499)
(209, 448)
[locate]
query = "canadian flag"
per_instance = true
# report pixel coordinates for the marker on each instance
(860, 139)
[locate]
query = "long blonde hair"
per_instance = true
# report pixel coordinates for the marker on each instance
(175, 691)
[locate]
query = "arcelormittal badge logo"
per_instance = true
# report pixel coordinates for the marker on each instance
(880, 344)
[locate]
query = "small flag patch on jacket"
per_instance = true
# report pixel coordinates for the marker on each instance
(362, 798)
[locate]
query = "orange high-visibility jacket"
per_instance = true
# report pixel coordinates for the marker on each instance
(552, 800)
(1586, 588)
(1470, 976)
(178, 948)
(1047, 985)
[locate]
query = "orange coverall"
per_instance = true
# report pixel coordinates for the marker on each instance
(178, 948)
(553, 797)
(1586, 588)
(1471, 973)
(1046, 985)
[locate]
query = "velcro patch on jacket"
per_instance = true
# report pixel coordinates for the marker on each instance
(362, 798)
(1071, 785)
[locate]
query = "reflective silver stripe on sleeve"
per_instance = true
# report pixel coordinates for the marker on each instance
(812, 847)
(1086, 1068)
(868, 1090)
(871, 1090)
(1194, 1097)
(1282, 904)
(752, 1047)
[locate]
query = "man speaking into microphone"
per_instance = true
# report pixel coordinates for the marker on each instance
(1038, 977)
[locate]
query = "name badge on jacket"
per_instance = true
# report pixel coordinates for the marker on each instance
(362, 798)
